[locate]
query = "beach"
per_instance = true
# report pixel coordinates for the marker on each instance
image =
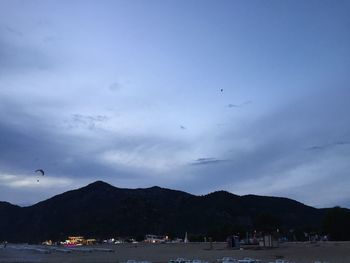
(330, 252)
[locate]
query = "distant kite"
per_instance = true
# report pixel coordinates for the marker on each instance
(182, 127)
(222, 90)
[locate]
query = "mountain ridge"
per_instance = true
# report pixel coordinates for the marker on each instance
(100, 183)
(101, 210)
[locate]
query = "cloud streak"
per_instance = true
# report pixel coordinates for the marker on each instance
(205, 161)
(20, 58)
(327, 146)
(239, 105)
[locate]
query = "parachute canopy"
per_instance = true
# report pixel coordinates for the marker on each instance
(40, 171)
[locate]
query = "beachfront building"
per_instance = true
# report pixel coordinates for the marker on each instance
(75, 240)
(156, 239)
(90, 241)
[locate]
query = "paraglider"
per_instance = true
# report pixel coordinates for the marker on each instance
(39, 171)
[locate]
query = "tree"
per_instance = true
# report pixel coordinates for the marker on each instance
(337, 223)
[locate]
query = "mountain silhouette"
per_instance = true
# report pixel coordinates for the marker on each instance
(100, 210)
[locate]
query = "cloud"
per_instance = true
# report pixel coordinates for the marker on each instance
(151, 156)
(115, 86)
(316, 147)
(329, 145)
(28, 141)
(14, 31)
(267, 156)
(88, 121)
(239, 105)
(315, 182)
(264, 156)
(49, 39)
(24, 189)
(342, 143)
(20, 181)
(205, 161)
(19, 58)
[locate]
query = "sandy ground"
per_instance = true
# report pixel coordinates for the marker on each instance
(332, 252)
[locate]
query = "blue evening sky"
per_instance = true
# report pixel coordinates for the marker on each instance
(251, 97)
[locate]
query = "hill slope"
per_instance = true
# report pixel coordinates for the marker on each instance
(100, 210)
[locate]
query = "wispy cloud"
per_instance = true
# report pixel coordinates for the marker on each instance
(153, 157)
(115, 86)
(20, 181)
(88, 121)
(240, 104)
(19, 58)
(14, 31)
(205, 161)
(328, 145)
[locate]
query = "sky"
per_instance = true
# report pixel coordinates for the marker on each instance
(251, 97)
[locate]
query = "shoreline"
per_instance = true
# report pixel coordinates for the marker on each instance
(298, 252)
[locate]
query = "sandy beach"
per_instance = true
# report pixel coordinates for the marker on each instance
(330, 252)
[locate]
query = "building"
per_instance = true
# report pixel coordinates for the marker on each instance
(156, 239)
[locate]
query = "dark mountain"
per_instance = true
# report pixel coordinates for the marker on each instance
(100, 210)
(4, 206)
